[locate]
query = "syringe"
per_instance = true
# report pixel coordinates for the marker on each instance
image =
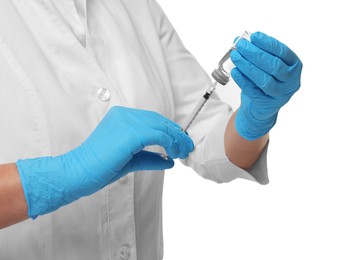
(221, 76)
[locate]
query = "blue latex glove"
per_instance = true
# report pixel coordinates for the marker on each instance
(268, 73)
(113, 149)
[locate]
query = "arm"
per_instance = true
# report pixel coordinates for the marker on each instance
(188, 81)
(240, 151)
(268, 73)
(13, 207)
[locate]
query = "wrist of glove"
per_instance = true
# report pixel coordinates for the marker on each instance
(268, 73)
(250, 124)
(114, 149)
(49, 183)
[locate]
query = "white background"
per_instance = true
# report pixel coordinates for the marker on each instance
(297, 215)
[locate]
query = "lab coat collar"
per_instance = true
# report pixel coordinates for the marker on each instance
(74, 15)
(81, 6)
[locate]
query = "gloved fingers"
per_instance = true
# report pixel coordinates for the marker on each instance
(156, 121)
(161, 124)
(264, 60)
(173, 151)
(182, 143)
(146, 117)
(176, 143)
(246, 85)
(154, 137)
(157, 117)
(275, 47)
(145, 160)
(182, 140)
(153, 129)
(267, 83)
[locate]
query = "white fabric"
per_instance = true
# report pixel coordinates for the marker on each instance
(49, 103)
(73, 14)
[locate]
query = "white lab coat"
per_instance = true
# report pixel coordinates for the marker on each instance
(56, 85)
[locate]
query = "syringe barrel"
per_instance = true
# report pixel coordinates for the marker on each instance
(199, 106)
(194, 113)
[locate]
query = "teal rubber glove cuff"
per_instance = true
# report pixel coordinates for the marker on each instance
(268, 73)
(113, 149)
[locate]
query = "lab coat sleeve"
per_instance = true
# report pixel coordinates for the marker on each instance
(189, 82)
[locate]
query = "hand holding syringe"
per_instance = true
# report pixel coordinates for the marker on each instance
(221, 76)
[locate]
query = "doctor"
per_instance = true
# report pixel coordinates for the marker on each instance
(92, 94)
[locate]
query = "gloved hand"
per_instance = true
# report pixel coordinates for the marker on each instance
(268, 73)
(113, 149)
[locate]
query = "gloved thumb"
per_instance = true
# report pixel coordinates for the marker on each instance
(145, 160)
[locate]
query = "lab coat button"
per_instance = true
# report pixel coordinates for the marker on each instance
(124, 252)
(103, 94)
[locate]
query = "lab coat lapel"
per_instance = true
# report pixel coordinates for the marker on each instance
(134, 49)
(53, 36)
